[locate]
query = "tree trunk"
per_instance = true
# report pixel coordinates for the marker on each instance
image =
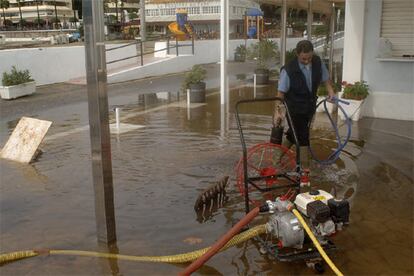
(4, 17)
(56, 16)
(116, 10)
(38, 14)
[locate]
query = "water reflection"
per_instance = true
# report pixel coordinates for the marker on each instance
(158, 173)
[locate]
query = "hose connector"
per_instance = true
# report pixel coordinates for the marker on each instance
(279, 205)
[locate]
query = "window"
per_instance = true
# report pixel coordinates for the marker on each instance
(397, 26)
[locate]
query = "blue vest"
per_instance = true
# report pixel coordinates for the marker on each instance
(298, 98)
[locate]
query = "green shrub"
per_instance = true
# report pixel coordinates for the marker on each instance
(196, 75)
(264, 52)
(16, 77)
(356, 91)
(241, 50)
(290, 55)
(322, 92)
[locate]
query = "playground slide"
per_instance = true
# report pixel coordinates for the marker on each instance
(175, 29)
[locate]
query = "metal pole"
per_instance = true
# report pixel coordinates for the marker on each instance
(143, 27)
(117, 120)
(310, 20)
(168, 45)
(141, 54)
(188, 105)
(223, 51)
(95, 59)
(332, 33)
(192, 44)
(176, 46)
(254, 86)
(283, 34)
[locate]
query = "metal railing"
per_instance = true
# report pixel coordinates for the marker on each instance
(140, 48)
(322, 40)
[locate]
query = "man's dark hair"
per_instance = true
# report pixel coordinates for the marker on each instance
(304, 46)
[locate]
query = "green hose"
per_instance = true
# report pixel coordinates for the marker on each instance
(179, 258)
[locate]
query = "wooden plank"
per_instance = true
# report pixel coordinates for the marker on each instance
(25, 139)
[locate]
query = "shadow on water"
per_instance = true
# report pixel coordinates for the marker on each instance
(160, 169)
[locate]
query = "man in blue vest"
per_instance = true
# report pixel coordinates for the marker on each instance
(299, 80)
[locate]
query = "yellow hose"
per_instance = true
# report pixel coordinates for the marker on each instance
(316, 243)
(179, 258)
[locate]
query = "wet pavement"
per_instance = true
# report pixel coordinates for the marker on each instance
(160, 169)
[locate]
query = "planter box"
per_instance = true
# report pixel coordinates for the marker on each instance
(15, 91)
(197, 92)
(262, 76)
(353, 110)
(329, 106)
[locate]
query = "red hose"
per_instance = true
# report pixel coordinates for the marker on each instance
(220, 243)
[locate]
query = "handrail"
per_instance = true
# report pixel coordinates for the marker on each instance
(141, 53)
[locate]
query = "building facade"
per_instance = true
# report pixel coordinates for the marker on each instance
(30, 10)
(203, 15)
(379, 49)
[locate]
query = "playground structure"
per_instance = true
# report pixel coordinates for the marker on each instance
(181, 28)
(253, 20)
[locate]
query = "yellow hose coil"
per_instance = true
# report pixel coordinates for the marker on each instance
(179, 258)
(316, 243)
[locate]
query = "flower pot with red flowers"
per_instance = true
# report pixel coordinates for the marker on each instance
(355, 94)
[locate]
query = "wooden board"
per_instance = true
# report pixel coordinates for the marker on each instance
(25, 139)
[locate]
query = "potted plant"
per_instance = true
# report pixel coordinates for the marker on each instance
(322, 94)
(240, 53)
(355, 94)
(264, 52)
(17, 84)
(194, 82)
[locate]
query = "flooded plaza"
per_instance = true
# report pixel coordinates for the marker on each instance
(160, 169)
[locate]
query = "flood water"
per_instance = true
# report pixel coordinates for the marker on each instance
(159, 171)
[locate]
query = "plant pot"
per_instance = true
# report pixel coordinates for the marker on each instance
(15, 91)
(329, 106)
(239, 57)
(197, 92)
(262, 76)
(353, 110)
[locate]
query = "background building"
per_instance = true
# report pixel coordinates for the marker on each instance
(203, 15)
(47, 11)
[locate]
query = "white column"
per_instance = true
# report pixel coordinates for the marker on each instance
(310, 20)
(353, 40)
(223, 51)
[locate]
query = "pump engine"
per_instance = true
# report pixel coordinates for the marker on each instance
(323, 213)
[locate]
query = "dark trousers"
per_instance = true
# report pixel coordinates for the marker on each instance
(301, 124)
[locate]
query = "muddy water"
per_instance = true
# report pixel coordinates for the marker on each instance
(159, 171)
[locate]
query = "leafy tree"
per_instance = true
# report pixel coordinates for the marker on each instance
(38, 14)
(20, 10)
(56, 15)
(4, 4)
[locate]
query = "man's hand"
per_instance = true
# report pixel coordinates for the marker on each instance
(331, 92)
(279, 114)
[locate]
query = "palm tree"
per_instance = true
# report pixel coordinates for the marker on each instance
(56, 16)
(38, 14)
(20, 12)
(116, 10)
(4, 4)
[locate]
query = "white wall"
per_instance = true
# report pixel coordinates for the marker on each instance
(205, 51)
(57, 64)
(391, 81)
